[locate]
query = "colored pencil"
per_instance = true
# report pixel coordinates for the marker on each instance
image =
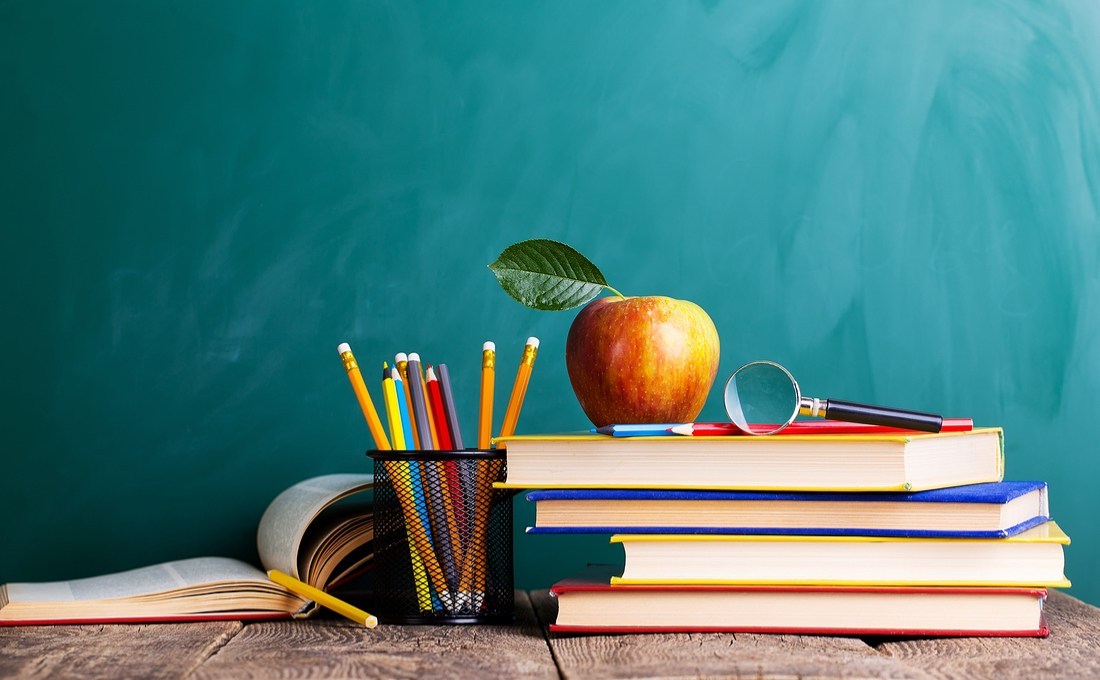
(418, 404)
(519, 388)
(804, 427)
(414, 361)
(322, 598)
(449, 406)
(374, 423)
(393, 412)
(637, 430)
(401, 361)
(485, 403)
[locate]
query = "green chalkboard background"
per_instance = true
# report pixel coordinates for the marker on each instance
(199, 200)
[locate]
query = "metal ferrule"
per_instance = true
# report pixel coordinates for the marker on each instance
(349, 361)
(809, 406)
(488, 359)
(529, 352)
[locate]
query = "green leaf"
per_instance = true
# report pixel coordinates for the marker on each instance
(547, 275)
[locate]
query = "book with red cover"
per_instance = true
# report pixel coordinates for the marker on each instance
(589, 604)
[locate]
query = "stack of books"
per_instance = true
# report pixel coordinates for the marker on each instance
(885, 533)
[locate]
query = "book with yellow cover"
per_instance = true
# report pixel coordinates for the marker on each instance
(879, 462)
(1034, 558)
(588, 604)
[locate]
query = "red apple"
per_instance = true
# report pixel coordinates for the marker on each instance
(642, 359)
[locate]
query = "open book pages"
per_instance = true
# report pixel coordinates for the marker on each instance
(178, 590)
(306, 532)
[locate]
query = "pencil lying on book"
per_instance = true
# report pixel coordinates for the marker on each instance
(322, 598)
(812, 427)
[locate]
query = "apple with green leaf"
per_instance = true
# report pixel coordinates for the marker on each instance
(649, 359)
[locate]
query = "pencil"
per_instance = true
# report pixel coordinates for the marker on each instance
(365, 403)
(485, 405)
(401, 393)
(322, 598)
(519, 389)
(418, 403)
(449, 406)
(393, 411)
(437, 411)
(401, 361)
(434, 445)
(412, 505)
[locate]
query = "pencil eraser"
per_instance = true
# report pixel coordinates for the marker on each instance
(343, 347)
(489, 346)
(399, 357)
(413, 356)
(534, 342)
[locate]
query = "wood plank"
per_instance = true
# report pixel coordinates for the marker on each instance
(160, 650)
(338, 648)
(1072, 650)
(690, 655)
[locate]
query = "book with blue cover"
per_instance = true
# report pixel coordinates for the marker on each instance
(988, 510)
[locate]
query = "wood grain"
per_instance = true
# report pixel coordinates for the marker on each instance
(160, 650)
(690, 655)
(337, 648)
(1071, 651)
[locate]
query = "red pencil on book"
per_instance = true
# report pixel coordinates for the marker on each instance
(813, 427)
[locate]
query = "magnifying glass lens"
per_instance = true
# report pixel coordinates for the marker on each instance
(761, 398)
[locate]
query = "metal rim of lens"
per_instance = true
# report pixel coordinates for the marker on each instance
(797, 398)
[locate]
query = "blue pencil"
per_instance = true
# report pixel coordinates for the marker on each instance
(637, 430)
(402, 406)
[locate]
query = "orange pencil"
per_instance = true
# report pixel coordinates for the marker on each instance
(519, 389)
(365, 404)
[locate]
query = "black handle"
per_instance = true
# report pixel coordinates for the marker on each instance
(851, 412)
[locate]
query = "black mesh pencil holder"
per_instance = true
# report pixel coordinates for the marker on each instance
(443, 538)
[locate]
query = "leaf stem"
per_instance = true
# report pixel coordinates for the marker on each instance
(621, 296)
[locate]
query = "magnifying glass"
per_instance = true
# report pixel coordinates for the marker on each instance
(762, 398)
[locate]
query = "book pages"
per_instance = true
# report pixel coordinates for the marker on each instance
(286, 519)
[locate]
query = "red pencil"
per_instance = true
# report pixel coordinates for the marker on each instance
(435, 398)
(814, 427)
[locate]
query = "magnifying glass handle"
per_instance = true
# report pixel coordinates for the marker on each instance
(852, 412)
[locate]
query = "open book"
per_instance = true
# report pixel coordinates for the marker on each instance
(304, 532)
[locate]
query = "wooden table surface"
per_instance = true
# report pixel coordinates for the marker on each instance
(334, 648)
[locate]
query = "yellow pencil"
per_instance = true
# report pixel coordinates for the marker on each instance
(322, 598)
(401, 361)
(485, 414)
(519, 389)
(365, 403)
(393, 414)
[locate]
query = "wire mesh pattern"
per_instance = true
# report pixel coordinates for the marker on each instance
(443, 537)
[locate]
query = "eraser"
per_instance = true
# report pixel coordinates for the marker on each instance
(399, 357)
(343, 347)
(489, 346)
(534, 342)
(413, 356)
